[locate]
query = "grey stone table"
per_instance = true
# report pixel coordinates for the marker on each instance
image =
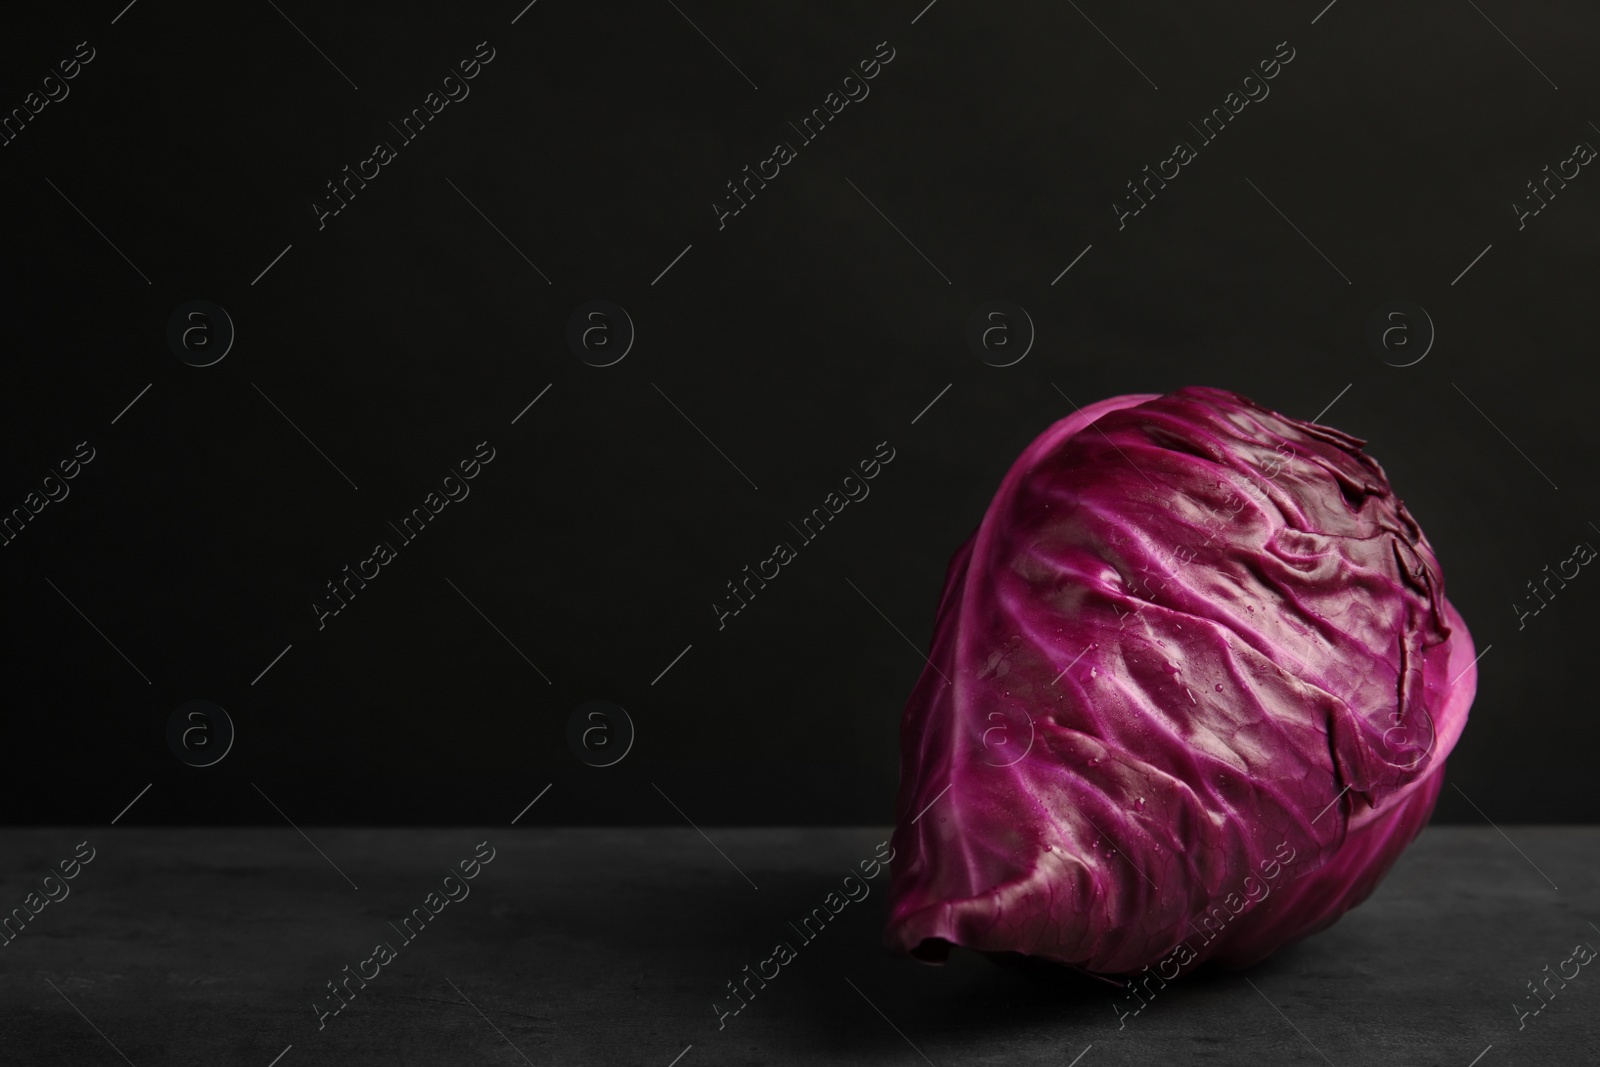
(600, 946)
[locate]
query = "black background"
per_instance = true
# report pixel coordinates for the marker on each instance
(797, 338)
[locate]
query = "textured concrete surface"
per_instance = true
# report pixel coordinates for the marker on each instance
(590, 946)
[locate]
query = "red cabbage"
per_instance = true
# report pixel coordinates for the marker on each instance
(1192, 683)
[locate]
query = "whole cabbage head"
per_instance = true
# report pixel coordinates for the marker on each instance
(1191, 688)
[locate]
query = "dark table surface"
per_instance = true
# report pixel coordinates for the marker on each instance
(599, 946)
